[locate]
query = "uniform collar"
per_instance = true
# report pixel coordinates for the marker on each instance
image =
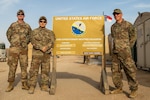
(121, 21)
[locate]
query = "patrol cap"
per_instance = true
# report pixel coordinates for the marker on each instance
(42, 18)
(117, 11)
(20, 11)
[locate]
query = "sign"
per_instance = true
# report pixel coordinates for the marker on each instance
(78, 35)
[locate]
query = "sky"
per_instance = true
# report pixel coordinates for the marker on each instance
(35, 8)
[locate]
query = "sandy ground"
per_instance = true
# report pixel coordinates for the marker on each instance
(75, 81)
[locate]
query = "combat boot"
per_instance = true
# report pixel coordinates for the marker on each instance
(45, 88)
(10, 87)
(31, 90)
(25, 86)
(133, 94)
(117, 91)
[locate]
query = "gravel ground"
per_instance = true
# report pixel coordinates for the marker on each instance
(75, 81)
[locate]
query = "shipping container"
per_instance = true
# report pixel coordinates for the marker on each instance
(142, 24)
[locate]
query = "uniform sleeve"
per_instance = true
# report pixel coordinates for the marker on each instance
(112, 38)
(112, 32)
(132, 35)
(52, 36)
(51, 43)
(8, 33)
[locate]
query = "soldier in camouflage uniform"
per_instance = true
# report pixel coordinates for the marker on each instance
(18, 35)
(124, 37)
(42, 40)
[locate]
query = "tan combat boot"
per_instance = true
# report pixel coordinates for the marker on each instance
(25, 86)
(45, 88)
(133, 94)
(31, 90)
(117, 91)
(10, 87)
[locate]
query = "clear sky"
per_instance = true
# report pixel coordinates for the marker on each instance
(35, 8)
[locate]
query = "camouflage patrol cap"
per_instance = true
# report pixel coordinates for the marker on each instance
(20, 11)
(118, 11)
(42, 18)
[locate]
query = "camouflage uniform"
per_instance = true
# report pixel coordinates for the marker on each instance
(40, 38)
(18, 35)
(124, 37)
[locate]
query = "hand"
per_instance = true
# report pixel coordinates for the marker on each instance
(115, 51)
(44, 49)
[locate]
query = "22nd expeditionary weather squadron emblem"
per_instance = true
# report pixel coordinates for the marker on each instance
(78, 28)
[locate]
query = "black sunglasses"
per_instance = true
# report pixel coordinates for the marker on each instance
(20, 14)
(116, 13)
(42, 21)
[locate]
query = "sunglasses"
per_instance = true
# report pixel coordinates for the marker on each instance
(42, 21)
(116, 14)
(20, 14)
